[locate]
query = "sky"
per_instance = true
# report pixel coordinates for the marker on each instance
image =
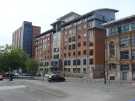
(44, 12)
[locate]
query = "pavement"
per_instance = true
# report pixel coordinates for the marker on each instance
(74, 89)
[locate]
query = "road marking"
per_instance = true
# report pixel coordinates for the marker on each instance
(12, 87)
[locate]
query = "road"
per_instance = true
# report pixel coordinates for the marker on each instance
(72, 90)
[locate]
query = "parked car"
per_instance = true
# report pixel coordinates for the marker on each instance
(1, 77)
(56, 78)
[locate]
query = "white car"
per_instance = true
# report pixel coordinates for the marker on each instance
(49, 75)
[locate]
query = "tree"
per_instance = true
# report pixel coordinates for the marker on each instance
(31, 66)
(11, 59)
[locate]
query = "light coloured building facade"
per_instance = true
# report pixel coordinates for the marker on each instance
(120, 49)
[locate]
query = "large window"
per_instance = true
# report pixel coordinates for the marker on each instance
(133, 26)
(74, 62)
(73, 38)
(133, 54)
(124, 41)
(84, 61)
(113, 31)
(124, 54)
(124, 67)
(78, 62)
(133, 40)
(111, 49)
(69, 62)
(91, 61)
(76, 70)
(125, 28)
(73, 46)
(91, 52)
(65, 62)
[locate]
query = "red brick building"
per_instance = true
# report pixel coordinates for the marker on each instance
(43, 50)
(82, 44)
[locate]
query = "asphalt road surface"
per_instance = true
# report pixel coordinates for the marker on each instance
(72, 90)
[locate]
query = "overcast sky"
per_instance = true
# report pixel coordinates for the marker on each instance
(44, 12)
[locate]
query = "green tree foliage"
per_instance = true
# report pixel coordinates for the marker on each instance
(31, 66)
(13, 59)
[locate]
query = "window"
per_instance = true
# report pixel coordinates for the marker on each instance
(124, 54)
(69, 54)
(56, 49)
(112, 66)
(133, 40)
(133, 54)
(79, 44)
(90, 24)
(84, 61)
(78, 62)
(125, 28)
(133, 26)
(84, 43)
(68, 69)
(73, 46)
(84, 52)
(65, 62)
(113, 31)
(73, 38)
(124, 41)
(79, 53)
(73, 53)
(69, 47)
(133, 67)
(56, 56)
(69, 40)
(84, 70)
(65, 55)
(76, 70)
(69, 62)
(74, 62)
(91, 61)
(124, 67)
(91, 52)
(111, 49)
(79, 36)
(90, 44)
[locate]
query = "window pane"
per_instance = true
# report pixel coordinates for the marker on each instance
(124, 55)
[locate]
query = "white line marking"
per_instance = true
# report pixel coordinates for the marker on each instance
(12, 87)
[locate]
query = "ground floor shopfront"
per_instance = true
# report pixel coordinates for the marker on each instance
(120, 71)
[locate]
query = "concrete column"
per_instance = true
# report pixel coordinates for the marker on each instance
(130, 72)
(118, 77)
(91, 67)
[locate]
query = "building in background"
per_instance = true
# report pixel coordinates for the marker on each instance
(43, 51)
(23, 37)
(82, 44)
(120, 49)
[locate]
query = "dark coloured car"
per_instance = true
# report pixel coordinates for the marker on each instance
(1, 77)
(56, 78)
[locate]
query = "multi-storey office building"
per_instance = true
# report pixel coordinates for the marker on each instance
(82, 43)
(56, 43)
(43, 50)
(120, 49)
(23, 37)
